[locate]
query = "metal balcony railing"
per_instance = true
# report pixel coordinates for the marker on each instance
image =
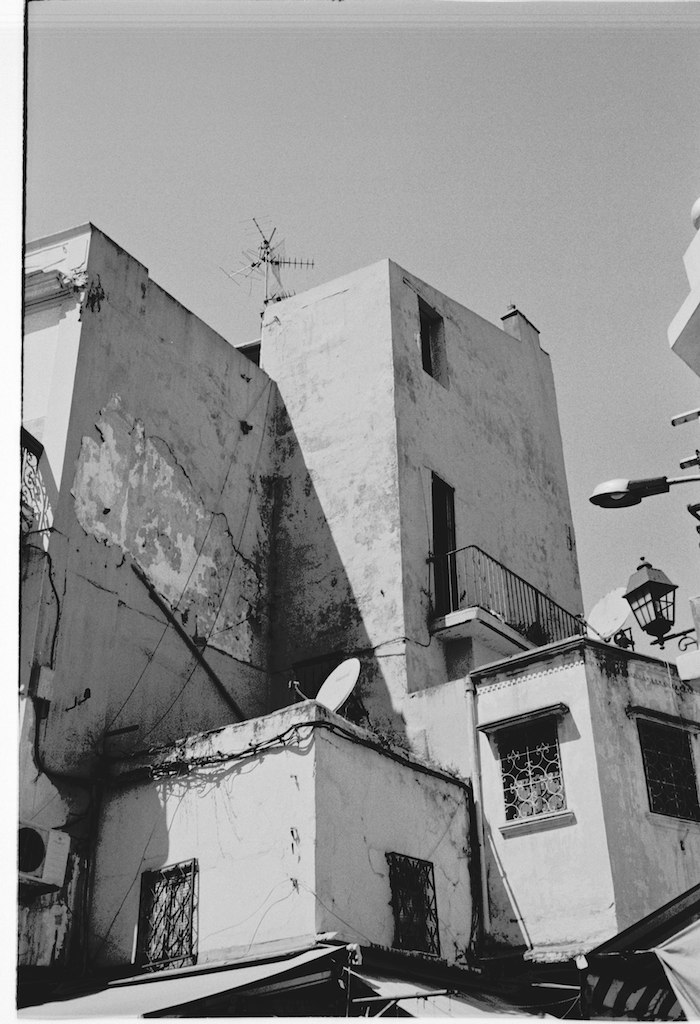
(469, 578)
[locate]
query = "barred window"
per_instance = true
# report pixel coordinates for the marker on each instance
(167, 920)
(669, 770)
(414, 904)
(531, 770)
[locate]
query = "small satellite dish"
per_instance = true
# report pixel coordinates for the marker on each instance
(609, 615)
(339, 684)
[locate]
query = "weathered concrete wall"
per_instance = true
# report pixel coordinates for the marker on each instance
(363, 429)
(51, 339)
(46, 936)
(286, 838)
(654, 857)
(250, 824)
(566, 882)
(492, 433)
(550, 880)
(367, 806)
(169, 463)
(338, 557)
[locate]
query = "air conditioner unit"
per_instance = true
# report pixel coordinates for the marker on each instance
(43, 856)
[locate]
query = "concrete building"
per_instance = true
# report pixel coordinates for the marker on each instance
(387, 485)
(684, 329)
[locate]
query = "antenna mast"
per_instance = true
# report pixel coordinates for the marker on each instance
(266, 259)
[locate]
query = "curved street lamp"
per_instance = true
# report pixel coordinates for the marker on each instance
(623, 493)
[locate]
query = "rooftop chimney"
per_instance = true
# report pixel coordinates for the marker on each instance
(518, 326)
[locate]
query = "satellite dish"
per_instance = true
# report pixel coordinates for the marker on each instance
(339, 684)
(609, 615)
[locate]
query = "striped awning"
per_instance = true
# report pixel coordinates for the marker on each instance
(610, 996)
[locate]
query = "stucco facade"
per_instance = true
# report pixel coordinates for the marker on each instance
(561, 882)
(372, 428)
(211, 530)
(290, 818)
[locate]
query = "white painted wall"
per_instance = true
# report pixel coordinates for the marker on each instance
(550, 888)
(654, 857)
(169, 465)
(50, 346)
(290, 841)
(337, 538)
(368, 805)
(493, 435)
(570, 886)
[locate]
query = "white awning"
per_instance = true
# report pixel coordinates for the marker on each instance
(680, 957)
(157, 992)
(421, 1000)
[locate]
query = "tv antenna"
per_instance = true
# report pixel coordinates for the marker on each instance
(265, 262)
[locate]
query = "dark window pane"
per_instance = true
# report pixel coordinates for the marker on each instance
(669, 770)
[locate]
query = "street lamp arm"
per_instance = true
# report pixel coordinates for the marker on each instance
(683, 479)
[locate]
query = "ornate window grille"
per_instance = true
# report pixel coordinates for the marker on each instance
(36, 505)
(167, 926)
(531, 770)
(669, 770)
(414, 904)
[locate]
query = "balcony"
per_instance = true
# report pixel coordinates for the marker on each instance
(472, 592)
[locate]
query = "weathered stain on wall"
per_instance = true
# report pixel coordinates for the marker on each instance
(44, 920)
(130, 491)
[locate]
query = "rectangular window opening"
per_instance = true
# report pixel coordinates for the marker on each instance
(444, 546)
(432, 342)
(413, 901)
(167, 917)
(531, 770)
(669, 770)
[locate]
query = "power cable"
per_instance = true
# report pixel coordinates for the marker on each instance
(150, 657)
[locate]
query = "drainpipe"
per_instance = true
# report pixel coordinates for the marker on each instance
(470, 689)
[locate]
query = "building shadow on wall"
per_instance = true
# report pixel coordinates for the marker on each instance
(316, 620)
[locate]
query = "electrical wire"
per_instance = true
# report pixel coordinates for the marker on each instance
(150, 657)
(228, 580)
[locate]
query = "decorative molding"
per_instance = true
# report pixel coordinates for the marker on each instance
(538, 823)
(517, 680)
(663, 717)
(550, 711)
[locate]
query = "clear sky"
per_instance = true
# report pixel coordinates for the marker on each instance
(545, 155)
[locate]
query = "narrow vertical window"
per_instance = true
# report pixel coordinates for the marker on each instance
(167, 936)
(432, 342)
(413, 901)
(444, 545)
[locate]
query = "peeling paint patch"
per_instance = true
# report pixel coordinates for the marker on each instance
(131, 492)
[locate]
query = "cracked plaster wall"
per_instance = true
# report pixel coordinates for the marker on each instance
(131, 492)
(654, 857)
(367, 806)
(338, 565)
(284, 839)
(493, 435)
(169, 463)
(572, 885)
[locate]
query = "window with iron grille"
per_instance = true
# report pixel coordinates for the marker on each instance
(531, 770)
(413, 901)
(669, 770)
(167, 921)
